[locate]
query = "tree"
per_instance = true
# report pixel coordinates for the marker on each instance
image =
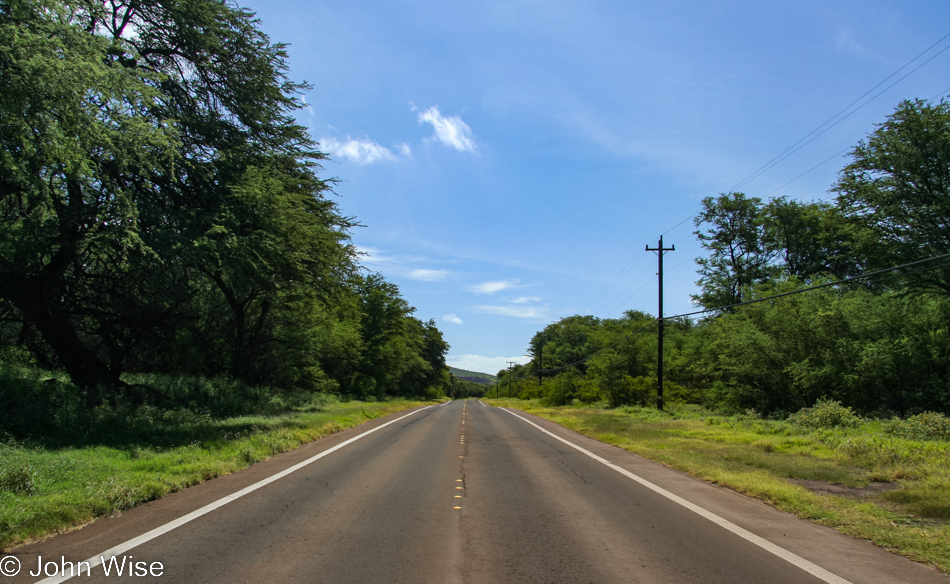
(270, 241)
(807, 240)
(80, 140)
(155, 189)
(735, 238)
(896, 190)
(400, 354)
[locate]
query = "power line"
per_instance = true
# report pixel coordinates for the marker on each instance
(941, 95)
(816, 287)
(627, 299)
(756, 301)
(642, 286)
(678, 224)
(621, 274)
(632, 282)
(812, 135)
(809, 137)
(592, 355)
(822, 163)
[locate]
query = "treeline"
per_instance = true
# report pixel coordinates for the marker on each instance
(880, 344)
(161, 211)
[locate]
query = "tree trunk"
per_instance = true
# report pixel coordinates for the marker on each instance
(34, 298)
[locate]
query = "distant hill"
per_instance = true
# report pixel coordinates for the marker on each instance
(473, 376)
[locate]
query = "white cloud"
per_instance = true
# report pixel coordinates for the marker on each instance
(400, 265)
(359, 151)
(526, 300)
(424, 275)
(492, 287)
(517, 311)
(450, 131)
(483, 364)
(451, 319)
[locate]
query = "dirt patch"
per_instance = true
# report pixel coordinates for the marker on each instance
(844, 491)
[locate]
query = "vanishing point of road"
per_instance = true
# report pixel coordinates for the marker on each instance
(466, 493)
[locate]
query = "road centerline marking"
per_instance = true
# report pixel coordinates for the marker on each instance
(189, 517)
(790, 557)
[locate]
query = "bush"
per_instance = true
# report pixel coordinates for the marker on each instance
(533, 390)
(924, 426)
(825, 414)
(587, 391)
(561, 391)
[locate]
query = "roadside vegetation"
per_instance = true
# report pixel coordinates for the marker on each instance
(887, 481)
(179, 295)
(816, 375)
(161, 212)
(63, 465)
(874, 337)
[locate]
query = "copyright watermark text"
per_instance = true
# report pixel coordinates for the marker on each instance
(111, 566)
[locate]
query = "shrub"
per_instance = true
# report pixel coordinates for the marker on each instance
(533, 390)
(826, 414)
(587, 391)
(561, 391)
(631, 391)
(923, 426)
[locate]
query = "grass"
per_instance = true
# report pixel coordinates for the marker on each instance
(758, 457)
(48, 487)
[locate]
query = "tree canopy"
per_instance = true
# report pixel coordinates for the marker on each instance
(160, 208)
(896, 190)
(879, 345)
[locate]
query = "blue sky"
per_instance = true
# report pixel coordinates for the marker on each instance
(510, 160)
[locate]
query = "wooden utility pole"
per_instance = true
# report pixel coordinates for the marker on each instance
(659, 249)
(510, 363)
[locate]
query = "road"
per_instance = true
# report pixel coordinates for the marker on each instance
(464, 493)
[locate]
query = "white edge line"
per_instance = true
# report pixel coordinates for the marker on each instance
(163, 529)
(796, 560)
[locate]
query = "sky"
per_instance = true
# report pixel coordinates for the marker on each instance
(510, 160)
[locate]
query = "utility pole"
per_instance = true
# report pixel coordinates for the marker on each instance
(510, 363)
(659, 249)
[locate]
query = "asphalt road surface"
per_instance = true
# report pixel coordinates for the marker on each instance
(460, 493)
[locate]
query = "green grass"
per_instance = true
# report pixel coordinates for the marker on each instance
(45, 489)
(757, 457)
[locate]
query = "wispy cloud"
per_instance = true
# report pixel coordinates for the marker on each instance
(401, 265)
(526, 300)
(360, 151)
(451, 131)
(516, 310)
(424, 275)
(451, 319)
(492, 287)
